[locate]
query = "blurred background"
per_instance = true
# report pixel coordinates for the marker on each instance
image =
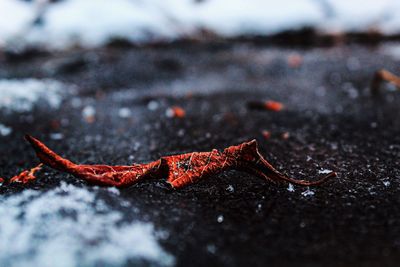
(65, 23)
(123, 81)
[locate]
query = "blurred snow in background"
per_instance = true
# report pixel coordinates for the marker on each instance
(22, 94)
(90, 23)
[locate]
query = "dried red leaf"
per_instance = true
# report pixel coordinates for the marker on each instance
(1, 181)
(26, 176)
(97, 174)
(179, 170)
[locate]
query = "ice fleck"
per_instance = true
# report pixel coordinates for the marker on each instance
(308, 193)
(290, 188)
(334, 146)
(308, 158)
(211, 248)
(259, 207)
(220, 218)
(181, 132)
(56, 136)
(324, 171)
(88, 111)
(230, 189)
(386, 182)
(152, 105)
(113, 190)
(136, 146)
(169, 113)
(4, 130)
(124, 113)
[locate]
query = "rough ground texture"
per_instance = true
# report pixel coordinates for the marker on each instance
(232, 219)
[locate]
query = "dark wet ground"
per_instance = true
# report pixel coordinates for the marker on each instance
(333, 121)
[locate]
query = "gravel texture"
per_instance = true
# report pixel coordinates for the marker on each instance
(114, 112)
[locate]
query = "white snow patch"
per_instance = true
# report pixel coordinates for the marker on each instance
(4, 130)
(220, 218)
(15, 18)
(71, 226)
(21, 95)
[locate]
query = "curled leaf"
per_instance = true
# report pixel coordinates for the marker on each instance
(179, 170)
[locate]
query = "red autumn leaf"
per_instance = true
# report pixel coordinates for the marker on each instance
(97, 174)
(179, 170)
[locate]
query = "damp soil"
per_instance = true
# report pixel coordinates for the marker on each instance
(233, 219)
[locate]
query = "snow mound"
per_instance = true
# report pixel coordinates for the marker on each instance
(71, 226)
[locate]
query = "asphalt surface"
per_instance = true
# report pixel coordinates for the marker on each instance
(233, 219)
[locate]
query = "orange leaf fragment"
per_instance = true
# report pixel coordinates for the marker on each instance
(273, 105)
(265, 105)
(26, 176)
